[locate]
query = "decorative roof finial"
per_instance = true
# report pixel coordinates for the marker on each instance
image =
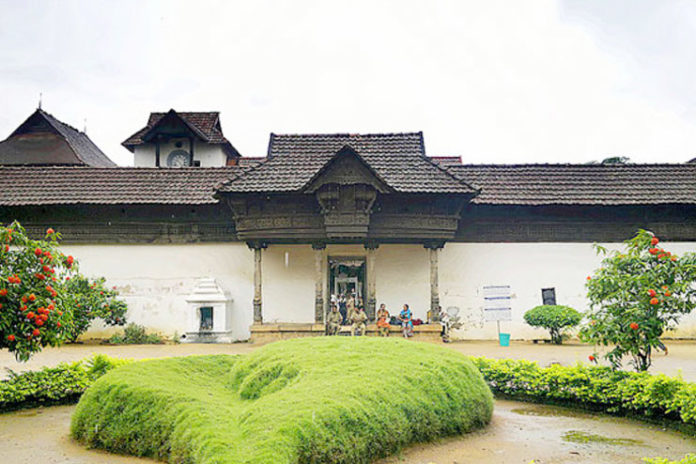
(84, 130)
(40, 98)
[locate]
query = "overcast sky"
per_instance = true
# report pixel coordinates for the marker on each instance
(492, 81)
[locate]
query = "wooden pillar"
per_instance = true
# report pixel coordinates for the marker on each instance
(318, 282)
(434, 249)
(258, 249)
(371, 301)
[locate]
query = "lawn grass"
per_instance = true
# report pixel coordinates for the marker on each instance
(328, 400)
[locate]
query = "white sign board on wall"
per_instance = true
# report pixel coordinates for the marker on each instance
(496, 303)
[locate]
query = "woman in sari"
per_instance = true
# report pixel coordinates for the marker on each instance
(383, 321)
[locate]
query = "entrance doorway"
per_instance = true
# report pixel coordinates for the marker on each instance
(347, 277)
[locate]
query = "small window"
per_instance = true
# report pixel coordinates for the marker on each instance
(206, 319)
(548, 296)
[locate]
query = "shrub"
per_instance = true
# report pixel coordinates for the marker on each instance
(635, 296)
(53, 385)
(135, 334)
(554, 318)
(598, 388)
(329, 400)
(689, 459)
(89, 300)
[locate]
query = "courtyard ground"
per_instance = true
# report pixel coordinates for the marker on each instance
(518, 433)
(681, 358)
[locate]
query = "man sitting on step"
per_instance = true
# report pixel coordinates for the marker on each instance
(359, 319)
(333, 321)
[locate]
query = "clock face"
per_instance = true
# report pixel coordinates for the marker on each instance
(178, 159)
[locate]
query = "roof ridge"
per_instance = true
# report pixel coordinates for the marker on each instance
(575, 165)
(186, 112)
(58, 121)
(344, 134)
(26, 168)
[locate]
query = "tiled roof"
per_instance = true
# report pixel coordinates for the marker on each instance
(82, 185)
(447, 160)
(205, 124)
(639, 184)
(249, 161)
(573, 184)
(82, 145)
(398, 159)
(407, 143)
(83, 150)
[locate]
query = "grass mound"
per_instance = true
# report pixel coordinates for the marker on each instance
(328, 400)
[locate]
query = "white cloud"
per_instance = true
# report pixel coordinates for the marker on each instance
(493, 81)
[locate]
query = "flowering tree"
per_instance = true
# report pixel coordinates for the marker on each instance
(635, 296)
(38, 302)
(32, 301)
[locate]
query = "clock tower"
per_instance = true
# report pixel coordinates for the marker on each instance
(182, 140)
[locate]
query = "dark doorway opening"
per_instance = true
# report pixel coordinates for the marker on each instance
(346, 279)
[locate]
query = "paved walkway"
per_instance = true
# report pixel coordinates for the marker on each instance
(681, 358)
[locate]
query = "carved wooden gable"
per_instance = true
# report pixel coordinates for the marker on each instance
(346, 167)
(346, 189)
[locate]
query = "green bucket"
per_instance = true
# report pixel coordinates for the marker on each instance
(504, 339)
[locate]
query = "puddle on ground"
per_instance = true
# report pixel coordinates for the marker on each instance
(578, 436)
(521, 433)
(549, 411)
(28, 412)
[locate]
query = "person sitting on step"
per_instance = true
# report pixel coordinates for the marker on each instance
(333, 321)
(383, 321)
(359, 319)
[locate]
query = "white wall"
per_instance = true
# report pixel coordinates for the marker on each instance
(403, 276)
(208, 155)
(527, 267)
(288, 286)
(155, 279)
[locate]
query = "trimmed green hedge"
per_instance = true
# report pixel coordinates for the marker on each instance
(313, 400)
(53, 385)
(592, 387)
(689, 459)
